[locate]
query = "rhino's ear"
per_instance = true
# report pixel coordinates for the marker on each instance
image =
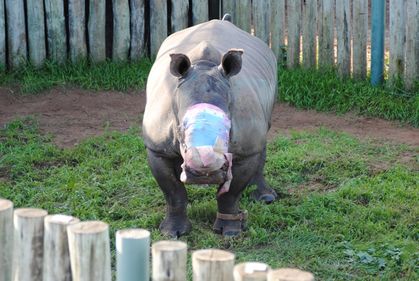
(179, 65)
(232, 62)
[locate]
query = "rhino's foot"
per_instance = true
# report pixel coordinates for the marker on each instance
(265, 195)
(175, 227)
(230, 224)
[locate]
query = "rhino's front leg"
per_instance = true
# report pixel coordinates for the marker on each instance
(166, 171)
(230, 220)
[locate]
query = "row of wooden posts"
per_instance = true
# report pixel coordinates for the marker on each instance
(35, 246)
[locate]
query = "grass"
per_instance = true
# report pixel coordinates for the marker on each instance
(109, 75)
(348, 208)
(311, 89)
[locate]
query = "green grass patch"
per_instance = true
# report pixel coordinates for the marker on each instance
(120, 76)
(326, 91)
(348, 208)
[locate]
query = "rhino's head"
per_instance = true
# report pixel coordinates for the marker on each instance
(201, 105)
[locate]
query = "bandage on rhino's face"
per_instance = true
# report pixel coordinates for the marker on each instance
(201, 106)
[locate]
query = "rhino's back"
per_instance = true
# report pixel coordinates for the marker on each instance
(253, 89)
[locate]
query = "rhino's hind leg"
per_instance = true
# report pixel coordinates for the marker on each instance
(167, 172)
(263, 192)
(230, 220)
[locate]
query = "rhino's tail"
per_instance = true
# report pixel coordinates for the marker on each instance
(227, 17)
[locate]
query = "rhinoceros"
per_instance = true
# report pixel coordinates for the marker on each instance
(210, 95)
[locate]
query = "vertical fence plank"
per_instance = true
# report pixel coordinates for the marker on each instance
(137, 49)
(121, 30)
(179, 16)
(96, 30)
(343, 32)
(77, 29)
(56, 32)
(36, 32)
(199, 11)
(56, 253)
(261, 19)
(6, 239)
(412, 43)
(158, 24)
(2, 36)
(230, 7)
(244, 14)
(378, 14)
(16, 40)
(28, 244)
(309, 33)
(278, 29)
(88, 264)
(360, 35)
(294, 27)
(326, 33)
(397, 44)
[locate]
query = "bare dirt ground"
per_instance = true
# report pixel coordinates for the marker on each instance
(72, 115)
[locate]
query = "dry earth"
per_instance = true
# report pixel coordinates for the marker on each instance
(71, 115)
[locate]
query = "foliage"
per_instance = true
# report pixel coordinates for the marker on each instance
(348, 208)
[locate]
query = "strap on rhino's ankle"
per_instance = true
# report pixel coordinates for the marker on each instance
(241, 216)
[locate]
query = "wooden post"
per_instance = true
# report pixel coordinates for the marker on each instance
(212, 265)
(244, 14)
(230, 7)
(261, 19)
(6, 239)
(378, 15)
(2, 36)
(309, 33)
(132, 255)
(326, 33)
(56, 254)
(169, 261)
(56, 33)
(199, 11)
(251, 271)
(179, 16)
(158, 24)
(278, 29)
(28, 244)
(36, 32)
(412, 44)
(96, 30)
(77, 29)
(289, 274)
(343, 32)
(16, 40)
(360, 35)
(90, 254)
(137, 49)
(121, 30)
(294, 26)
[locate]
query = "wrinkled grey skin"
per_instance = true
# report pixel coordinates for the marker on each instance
(217, 63)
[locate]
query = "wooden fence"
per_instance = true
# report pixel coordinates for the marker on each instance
(35, 246)
(311, 33)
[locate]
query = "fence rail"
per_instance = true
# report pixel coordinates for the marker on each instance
(314, 33)
(35, 246)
